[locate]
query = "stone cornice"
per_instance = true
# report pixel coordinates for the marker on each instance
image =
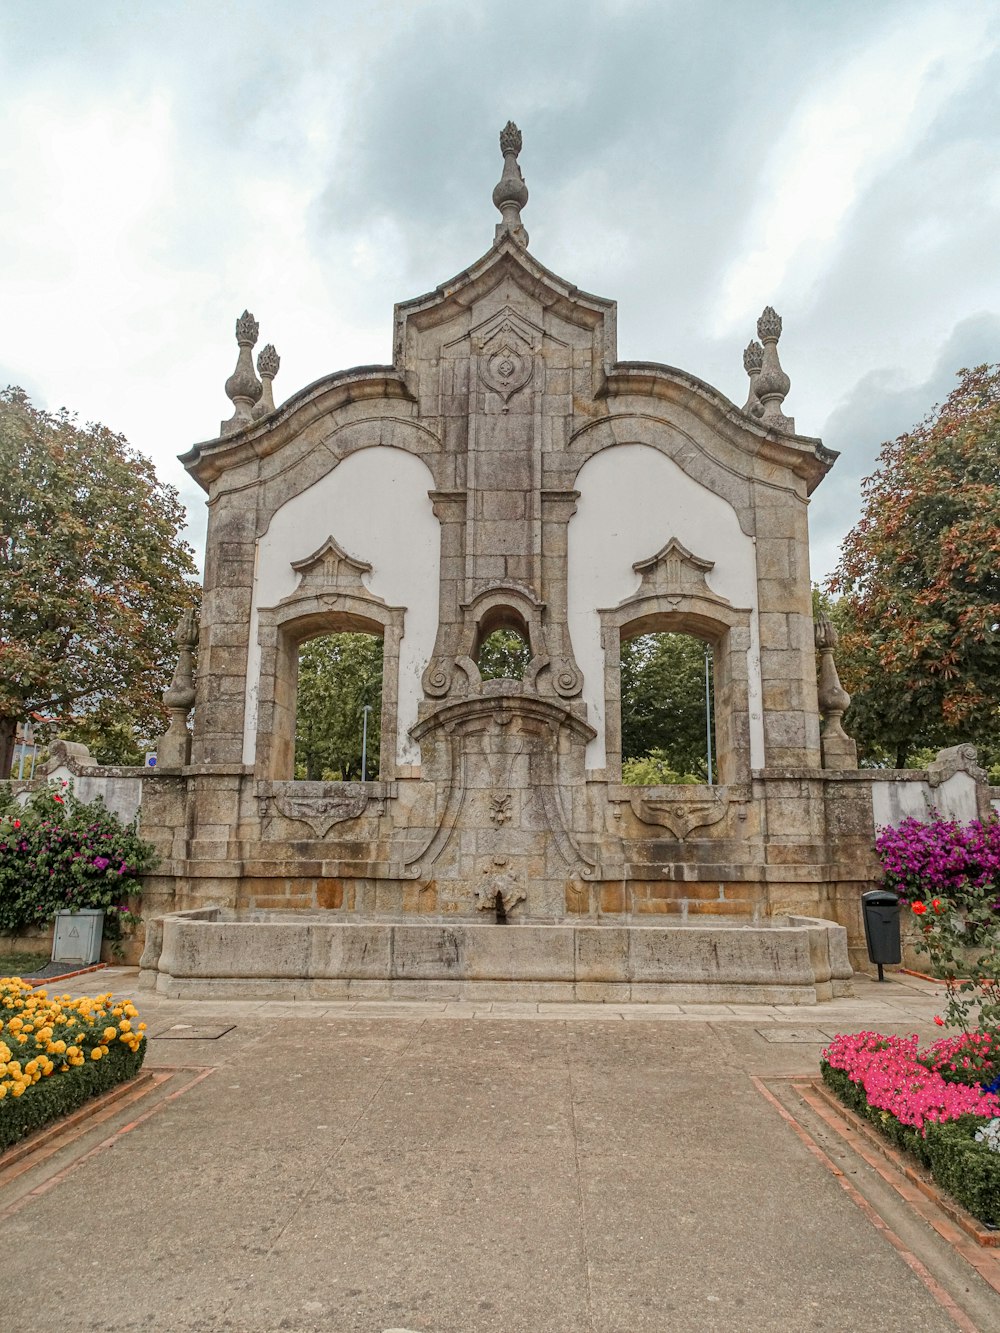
(804, 455)
(208, 460)
(507, 259)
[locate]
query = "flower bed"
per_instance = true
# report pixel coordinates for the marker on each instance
(55, 1053)
(931, 1103)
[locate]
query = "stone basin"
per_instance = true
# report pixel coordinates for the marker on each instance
(221, 953)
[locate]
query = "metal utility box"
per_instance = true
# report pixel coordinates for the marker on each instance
(77, 937)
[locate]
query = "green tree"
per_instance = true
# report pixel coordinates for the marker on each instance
(504, 655)
(663, 706)
(338, 675)
(919, 578)
(93, 575)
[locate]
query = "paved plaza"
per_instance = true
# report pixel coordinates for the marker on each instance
(479, 1168)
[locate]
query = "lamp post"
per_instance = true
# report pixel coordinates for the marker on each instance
(364, 742)
(708, 718)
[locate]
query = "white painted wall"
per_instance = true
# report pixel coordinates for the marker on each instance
(633, 499)
(894, 801)
(376, 505)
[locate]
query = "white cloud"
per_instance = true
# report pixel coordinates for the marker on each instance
(866, 113)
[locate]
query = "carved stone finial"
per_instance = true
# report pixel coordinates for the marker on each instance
(753, 359)
(247, 330)
(510, 139)
(268, 363)
(243, 387)
(838, 750)
(174, 747)
(769, 325)
(511, 193)
(772, 383)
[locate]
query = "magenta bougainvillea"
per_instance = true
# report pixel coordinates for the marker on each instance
(941, 857)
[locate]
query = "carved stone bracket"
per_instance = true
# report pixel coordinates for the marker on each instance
(681, 809)
(333, 803)
(955, 759)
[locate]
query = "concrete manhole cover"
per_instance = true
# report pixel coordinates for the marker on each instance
(190, 1032)
(794, 1034)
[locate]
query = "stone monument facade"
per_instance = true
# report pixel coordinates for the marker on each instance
(507, 470)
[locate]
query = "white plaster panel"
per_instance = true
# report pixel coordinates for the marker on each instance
(892, 802)
(633, 499)
(376, 505)
(955, 798)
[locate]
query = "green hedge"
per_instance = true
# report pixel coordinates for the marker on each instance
(59, 1094)
(965, 1169)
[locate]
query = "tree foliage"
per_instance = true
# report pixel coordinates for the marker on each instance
(919, 578)
(504, 655)
(93, 574)
(663, 708)
(338, 675)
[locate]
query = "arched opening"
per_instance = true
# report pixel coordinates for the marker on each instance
(338, 707)
(667, 709)
(503, 645)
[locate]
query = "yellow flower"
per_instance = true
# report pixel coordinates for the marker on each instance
(97, 1052)
(110, 1034)
(125, 1025)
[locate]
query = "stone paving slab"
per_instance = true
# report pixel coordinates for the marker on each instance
(362, 1167)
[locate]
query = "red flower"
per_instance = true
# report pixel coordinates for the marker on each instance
(58, 798)
(940, 1022)
(919, 908)
(937, 904)
(17, 823)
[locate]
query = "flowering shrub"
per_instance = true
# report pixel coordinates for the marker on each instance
(912, 1086)
(940, 858)
(61, 853)
(948, 876)
(929, 1103)
(56, 1052)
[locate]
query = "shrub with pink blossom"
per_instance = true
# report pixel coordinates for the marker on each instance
(912, 1085)
(59, 853)
(947, 876)
(929, 1102)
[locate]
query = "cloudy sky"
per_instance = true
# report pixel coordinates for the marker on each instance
(164, 165)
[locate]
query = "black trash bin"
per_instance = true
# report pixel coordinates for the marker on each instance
(880, 909)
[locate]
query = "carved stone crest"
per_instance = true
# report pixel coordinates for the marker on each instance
(507, 367)
(506, 354)
(322, 812)
(681, 814)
